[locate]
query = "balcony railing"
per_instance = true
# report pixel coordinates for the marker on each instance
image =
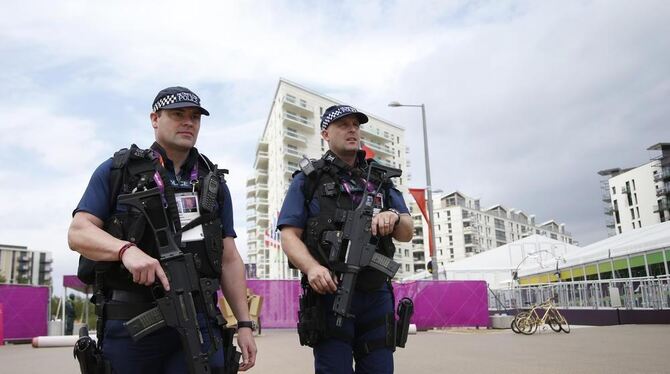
(379, 148)
(662, 191)
(663, 175)
(293, 119)
(296, 103)
(295, 136)
(292, 153)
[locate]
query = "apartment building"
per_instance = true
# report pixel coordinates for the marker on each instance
(638, 197)
(463, 228)
(20, 265)
(291, 132)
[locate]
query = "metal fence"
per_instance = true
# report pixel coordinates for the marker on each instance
(632, 293)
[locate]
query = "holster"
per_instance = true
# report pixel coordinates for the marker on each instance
(89, 355)
(311, 323)
(405, 312)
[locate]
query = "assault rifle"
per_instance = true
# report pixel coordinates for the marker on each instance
(355, 239)
(176, 307)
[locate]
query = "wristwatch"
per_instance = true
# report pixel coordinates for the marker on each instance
(248, 324)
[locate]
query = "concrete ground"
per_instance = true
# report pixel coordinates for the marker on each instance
(610, 349)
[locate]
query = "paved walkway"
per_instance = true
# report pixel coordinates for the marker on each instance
(610, 349)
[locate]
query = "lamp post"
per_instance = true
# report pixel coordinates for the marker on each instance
(431, 224)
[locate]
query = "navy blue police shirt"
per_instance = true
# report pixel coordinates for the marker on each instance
(96, 197)
(293, 211)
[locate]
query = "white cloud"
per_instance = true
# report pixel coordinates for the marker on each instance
(543, 94)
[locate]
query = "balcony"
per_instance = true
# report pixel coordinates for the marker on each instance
(663, 191)
(608, 210)
(292, 120)
(292, 103)
(292, 154)
(293, 137)
(607, 198)
(374, 133)
(663, 175)
(625, 190)
(261, 161)
(24, 258)
(261, 176)
(380, 148)
(662, 206)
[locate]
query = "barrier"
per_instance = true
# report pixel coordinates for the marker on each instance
(2, 324)
(25, 309)
(436, 303)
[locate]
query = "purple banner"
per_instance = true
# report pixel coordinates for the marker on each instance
(73, 282)
(25, 310)
(436, 303)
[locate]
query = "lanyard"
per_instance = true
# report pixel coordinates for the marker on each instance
(356, 197)
(159, 180)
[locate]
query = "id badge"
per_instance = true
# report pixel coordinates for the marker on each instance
(189, 209)
(378, 203)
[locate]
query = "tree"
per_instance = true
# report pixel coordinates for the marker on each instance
(2, 278)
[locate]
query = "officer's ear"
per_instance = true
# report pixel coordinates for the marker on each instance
(324, 134)
(154, 118)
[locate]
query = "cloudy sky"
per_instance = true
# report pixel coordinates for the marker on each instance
(526, 100)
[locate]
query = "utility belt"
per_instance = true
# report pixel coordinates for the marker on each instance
(125, 305)
(313, 327)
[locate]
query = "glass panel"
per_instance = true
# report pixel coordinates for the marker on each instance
(605, 266)
(606, 275)
(637, 261)
(620, 264)
(653, 258)
(657, 269)
(638, 271)
(591, 269)
(577, 272)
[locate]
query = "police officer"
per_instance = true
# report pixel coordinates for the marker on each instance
(175, 119)
(339, 182)
(69, 315)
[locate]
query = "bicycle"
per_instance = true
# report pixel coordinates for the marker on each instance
(527, 322)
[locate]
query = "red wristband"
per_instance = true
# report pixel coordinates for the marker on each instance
(124, 248)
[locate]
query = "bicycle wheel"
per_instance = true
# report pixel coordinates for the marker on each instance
(553, 323)
(514, 325)
(527, 325)
(563, 322)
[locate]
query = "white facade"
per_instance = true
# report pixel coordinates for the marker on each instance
(463, 229)
(20, 265)
(638, 197)
(291, 131)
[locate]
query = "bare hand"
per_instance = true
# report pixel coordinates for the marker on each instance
(144, 268)
(384, 223)
(321, 280)
(245, 340)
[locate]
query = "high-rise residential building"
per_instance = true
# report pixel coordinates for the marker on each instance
(463, 228)
(20, 265)
(291, 132)
(638, 197)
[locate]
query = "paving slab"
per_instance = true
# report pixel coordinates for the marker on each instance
(608, 349)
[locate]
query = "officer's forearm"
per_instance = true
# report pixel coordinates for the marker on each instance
(295, 249)
(233, 280)
(86, 236)
(404, 231)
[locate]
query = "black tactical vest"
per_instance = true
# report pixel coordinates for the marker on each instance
(135, 169)
(324, 184)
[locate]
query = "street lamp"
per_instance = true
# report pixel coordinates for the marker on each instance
(431, 225)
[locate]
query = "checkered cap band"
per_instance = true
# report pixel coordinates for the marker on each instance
(333, 115)
(179, 97)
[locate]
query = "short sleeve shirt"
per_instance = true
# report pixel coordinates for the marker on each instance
(294, 213)
(96, 198)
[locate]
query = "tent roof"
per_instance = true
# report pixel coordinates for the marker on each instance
(510, 255)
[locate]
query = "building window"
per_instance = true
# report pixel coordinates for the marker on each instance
(635, 196)
(633, 224)
(613, 190)
(637, 209)
(633, 184)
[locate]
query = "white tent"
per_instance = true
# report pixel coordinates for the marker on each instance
(640, 240)
(497, 265)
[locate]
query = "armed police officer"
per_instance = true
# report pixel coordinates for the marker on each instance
(121, 247)
(320, 199)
